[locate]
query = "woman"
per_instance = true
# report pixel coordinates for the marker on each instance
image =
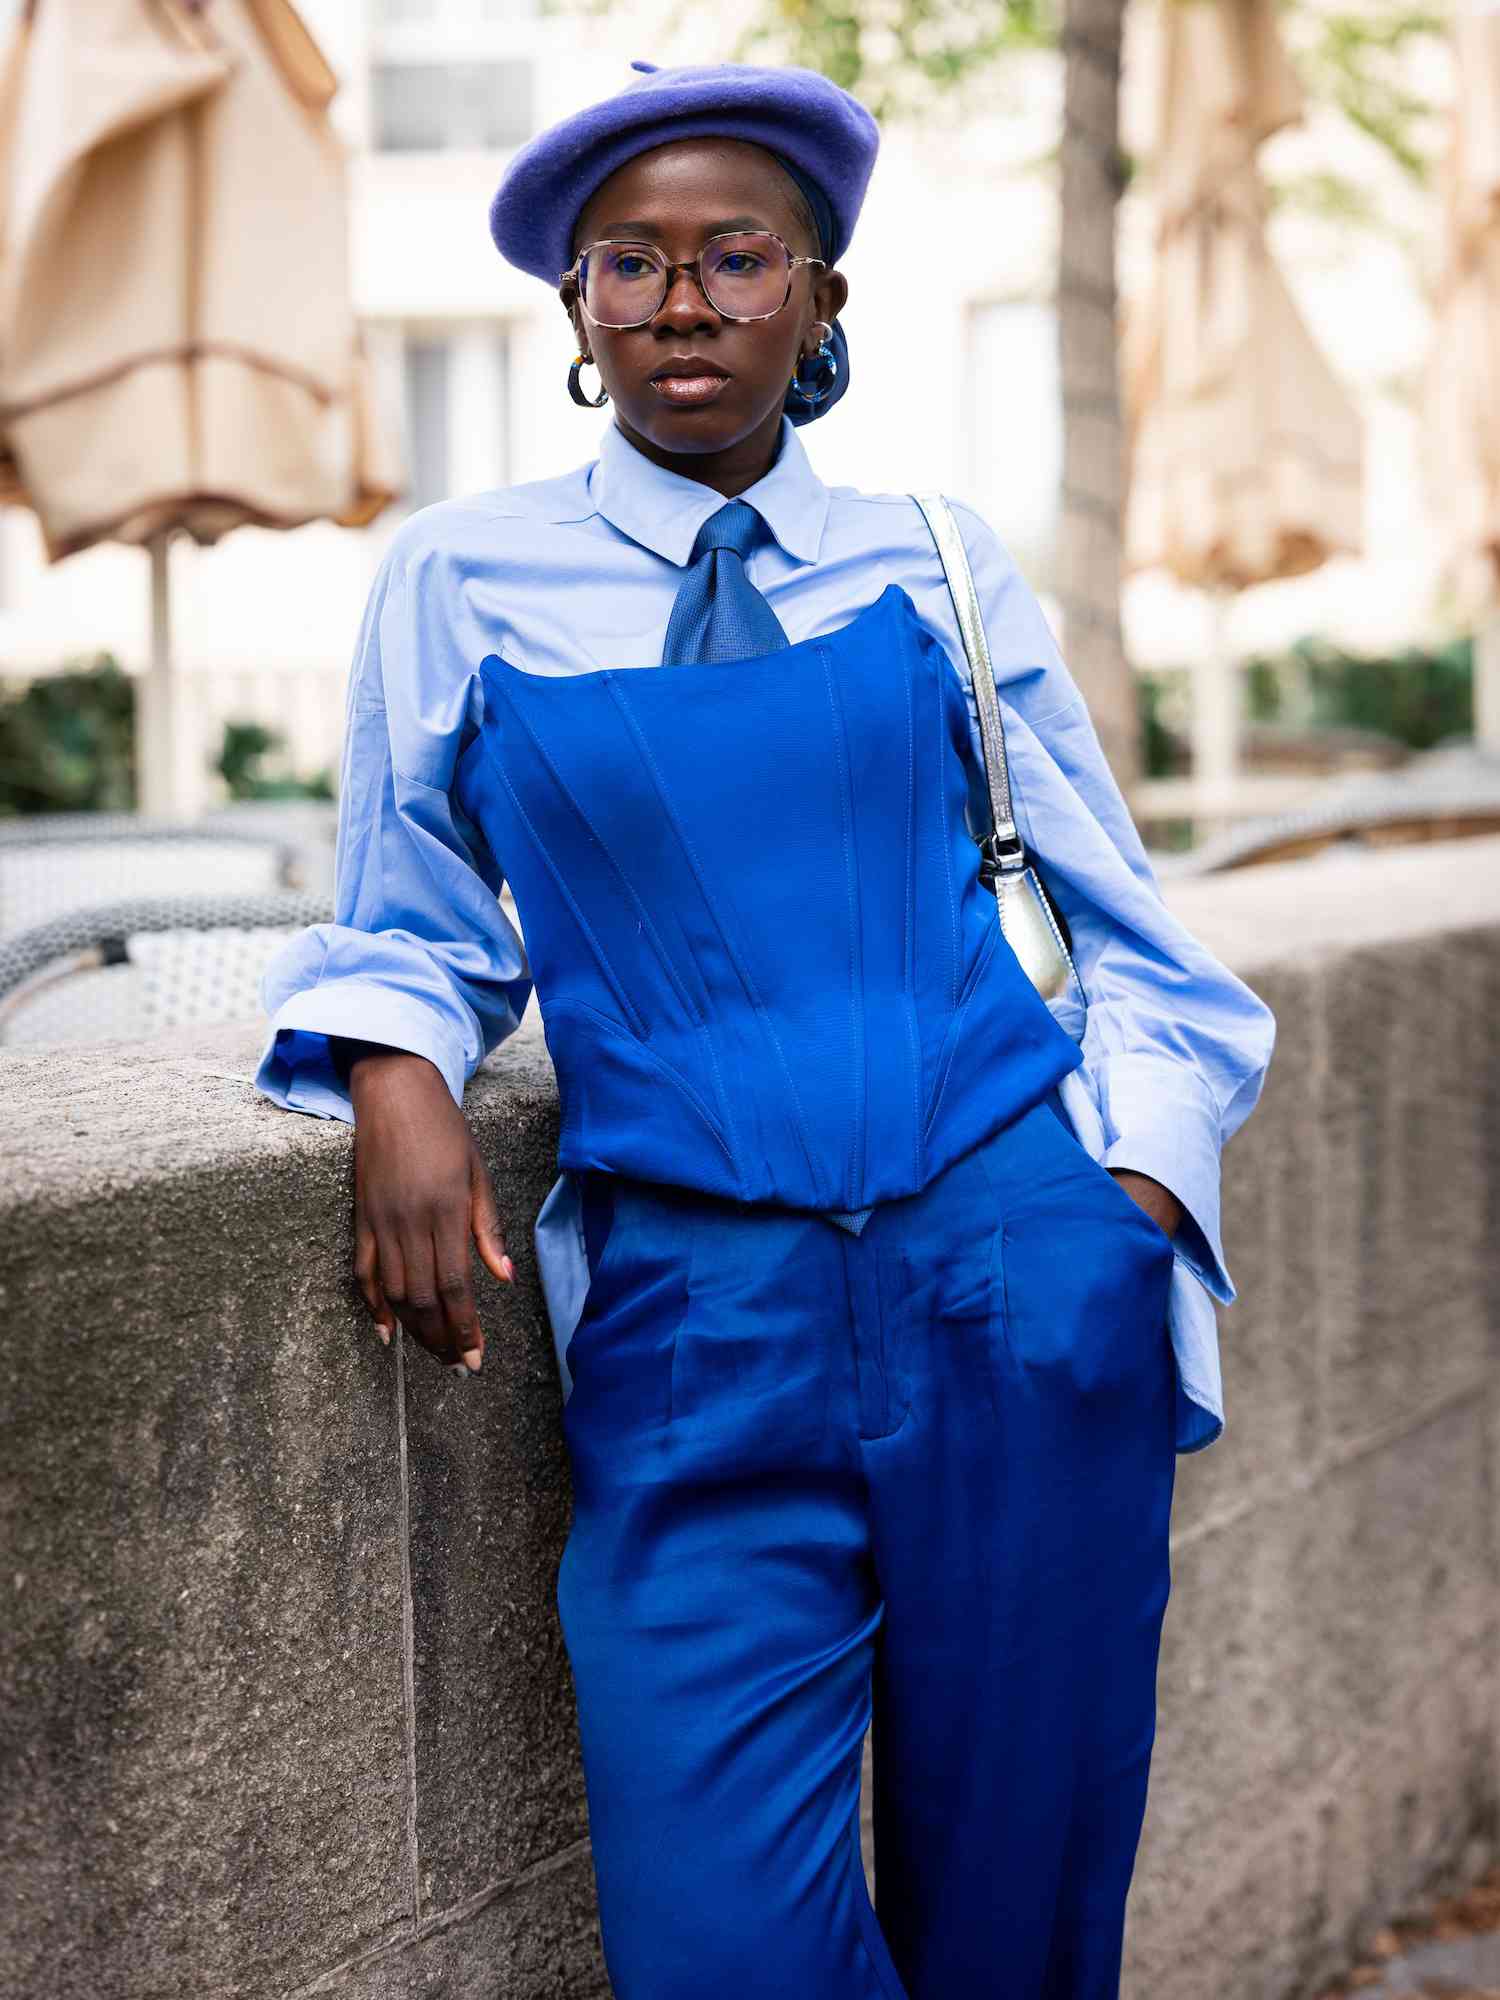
(874, 1375)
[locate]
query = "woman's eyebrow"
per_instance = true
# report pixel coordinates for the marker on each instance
(635, 227)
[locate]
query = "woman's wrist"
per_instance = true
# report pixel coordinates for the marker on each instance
(358, 1063)
(344, 1051)
(1159, 1202)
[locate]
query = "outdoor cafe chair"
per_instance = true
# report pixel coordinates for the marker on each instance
(53, 862)
(130, 969)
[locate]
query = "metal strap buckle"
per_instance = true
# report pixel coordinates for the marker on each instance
(1001, 851)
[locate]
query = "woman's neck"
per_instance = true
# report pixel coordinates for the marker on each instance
(730, 471)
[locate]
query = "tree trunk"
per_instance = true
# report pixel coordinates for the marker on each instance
(1093, 430)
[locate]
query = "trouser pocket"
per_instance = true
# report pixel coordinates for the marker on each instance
(1081, 1273)
(636, 1241)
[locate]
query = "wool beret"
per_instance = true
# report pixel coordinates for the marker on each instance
(796, 112)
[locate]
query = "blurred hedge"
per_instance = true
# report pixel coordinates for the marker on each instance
(67, 741)
(239, 765)
(67, 744)
(1418, 696)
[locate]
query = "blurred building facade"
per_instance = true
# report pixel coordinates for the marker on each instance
(951, 317)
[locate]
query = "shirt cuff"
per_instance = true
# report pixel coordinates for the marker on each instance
(1160, 1119)
(296, 1067)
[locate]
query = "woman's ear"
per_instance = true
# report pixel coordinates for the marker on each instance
(829, 295)
(569, 299)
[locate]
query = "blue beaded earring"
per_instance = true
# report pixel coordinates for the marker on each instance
(810, 394)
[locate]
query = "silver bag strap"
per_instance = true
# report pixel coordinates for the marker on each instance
(1002, 846)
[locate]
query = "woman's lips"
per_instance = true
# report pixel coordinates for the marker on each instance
(689, 388)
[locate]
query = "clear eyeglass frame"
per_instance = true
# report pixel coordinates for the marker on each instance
(669, 272)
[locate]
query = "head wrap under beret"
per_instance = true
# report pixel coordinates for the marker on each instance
(819, 133)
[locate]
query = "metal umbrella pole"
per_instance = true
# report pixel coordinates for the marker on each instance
(161, 790)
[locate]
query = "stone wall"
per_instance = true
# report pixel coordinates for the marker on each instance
(284, 1707)
(1329, 1734)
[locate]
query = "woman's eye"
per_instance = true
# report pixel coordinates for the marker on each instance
(630, 266)
(738, 262)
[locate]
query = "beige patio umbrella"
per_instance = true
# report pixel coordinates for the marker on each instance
(1461, 386)
(1244, 451)
(178, 349)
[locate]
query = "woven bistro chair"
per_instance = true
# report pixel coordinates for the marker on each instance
(53, 862)
(131, 969)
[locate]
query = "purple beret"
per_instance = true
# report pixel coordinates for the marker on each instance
(826, 131)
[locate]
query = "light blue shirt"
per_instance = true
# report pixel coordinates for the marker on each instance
(565, 575)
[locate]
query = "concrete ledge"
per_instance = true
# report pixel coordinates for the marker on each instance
(283, 1699)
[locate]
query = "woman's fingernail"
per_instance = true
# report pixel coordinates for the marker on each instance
(385, 1335)
(472, 1360)
(458, 1368)
(508, 1268)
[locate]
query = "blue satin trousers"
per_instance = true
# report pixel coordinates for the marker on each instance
(926, 1471)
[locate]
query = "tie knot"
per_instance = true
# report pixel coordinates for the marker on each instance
(736, 526)
(719, 614)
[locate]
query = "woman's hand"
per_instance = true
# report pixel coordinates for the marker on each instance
(1163, 1207)
(421, 1191)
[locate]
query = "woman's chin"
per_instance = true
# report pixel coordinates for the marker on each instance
(687, 427)
(697, 428)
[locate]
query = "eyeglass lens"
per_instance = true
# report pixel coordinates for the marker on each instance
(744, 277)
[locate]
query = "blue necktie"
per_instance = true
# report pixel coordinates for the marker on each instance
(720, 615)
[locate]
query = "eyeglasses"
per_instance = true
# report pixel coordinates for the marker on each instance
(744, 275)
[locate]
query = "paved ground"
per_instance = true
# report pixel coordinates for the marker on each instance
(1450, 1953)
(1461, 1968)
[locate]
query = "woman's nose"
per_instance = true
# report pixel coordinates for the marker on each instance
(686, 304)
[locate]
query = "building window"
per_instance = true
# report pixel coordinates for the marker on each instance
(1015, 470)
(456, 387)
(445, 107)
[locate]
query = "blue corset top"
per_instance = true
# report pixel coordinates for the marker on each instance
(765, 962)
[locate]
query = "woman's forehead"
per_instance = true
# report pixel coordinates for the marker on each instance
(731, 174)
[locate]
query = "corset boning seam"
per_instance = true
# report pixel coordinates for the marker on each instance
(648, 928)
(944, 751)
(858, 1076)
(971, 985)
(798, 1121)
(658, 1063)
(909, 952)
(622, 999)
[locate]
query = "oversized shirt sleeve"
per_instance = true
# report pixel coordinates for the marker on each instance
(1175, 1047)
(419, 955)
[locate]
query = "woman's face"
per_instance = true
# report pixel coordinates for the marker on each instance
(676, 196)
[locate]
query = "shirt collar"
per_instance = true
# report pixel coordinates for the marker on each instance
(663, 511)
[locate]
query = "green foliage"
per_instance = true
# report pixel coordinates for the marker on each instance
(239, 764)
(1161, 699)
(1420, 697)
(1357, 58)
(1331, 197)
(1416, 697)
(902, 58)
(67, 741)
(67, 744)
